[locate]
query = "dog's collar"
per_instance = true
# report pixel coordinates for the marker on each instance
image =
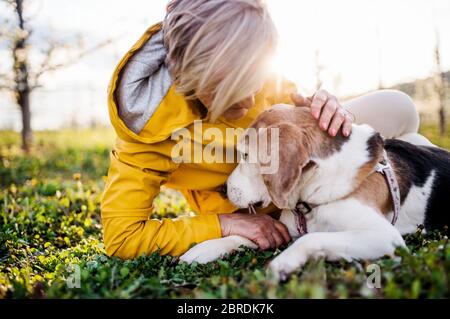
(384, 167)
(300, 211)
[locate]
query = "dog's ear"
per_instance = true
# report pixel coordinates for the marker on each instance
(293, 157)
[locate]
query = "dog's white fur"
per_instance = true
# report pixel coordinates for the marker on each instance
(338, 228)
(411, 213)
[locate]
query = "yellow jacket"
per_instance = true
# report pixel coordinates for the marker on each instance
(141, 163)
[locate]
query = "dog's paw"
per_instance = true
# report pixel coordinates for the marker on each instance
(201, 253)
(212, 250)
(285, 264)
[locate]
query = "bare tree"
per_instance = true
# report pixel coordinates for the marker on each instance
(439, 86)
(19, 83)
(25, 78)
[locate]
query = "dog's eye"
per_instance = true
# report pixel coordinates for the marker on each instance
(244, 156)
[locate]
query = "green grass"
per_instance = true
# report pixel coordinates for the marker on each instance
(50, 219)
(431, 131)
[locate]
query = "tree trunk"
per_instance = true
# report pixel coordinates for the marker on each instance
(440, 87)
(27, 133)
(442, 119)
(21, 77)
(23, 95)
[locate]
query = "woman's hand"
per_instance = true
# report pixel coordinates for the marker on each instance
(263, 230)
(327, 109)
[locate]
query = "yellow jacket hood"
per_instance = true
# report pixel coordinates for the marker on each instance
(139, 88)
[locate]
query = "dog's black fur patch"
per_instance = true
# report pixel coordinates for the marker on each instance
(375, 146)
(415, 164)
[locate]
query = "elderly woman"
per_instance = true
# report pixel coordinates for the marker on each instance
(207, 61)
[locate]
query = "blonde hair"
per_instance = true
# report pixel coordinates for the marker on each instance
(218, 48)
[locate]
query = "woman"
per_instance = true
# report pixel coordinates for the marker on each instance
(206, 61)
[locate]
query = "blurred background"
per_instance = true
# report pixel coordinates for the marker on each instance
(348, 47)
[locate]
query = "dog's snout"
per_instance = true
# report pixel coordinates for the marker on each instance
(246, 187)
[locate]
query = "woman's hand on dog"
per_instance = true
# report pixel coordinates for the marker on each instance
(325, 107)
(263, 230)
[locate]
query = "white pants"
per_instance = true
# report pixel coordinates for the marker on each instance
(390, 112)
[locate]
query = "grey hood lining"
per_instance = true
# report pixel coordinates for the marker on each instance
(143, 84)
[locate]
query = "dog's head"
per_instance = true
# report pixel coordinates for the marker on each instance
(249, 184)
(309, 161)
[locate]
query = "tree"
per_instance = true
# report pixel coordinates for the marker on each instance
(24, 77)
(439, 85)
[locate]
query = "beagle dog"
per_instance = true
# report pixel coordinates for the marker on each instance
(355, 208)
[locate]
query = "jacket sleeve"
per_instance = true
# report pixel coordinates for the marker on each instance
(136, 173)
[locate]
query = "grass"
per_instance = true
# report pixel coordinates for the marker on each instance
(50, 232)
(431, 131)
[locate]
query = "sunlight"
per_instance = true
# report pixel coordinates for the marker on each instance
(356, 43)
